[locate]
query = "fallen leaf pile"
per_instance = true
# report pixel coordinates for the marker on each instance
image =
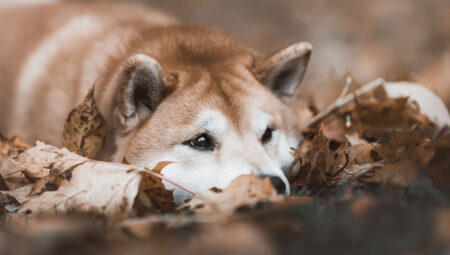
(61, 182)
(371, 139)
(370, 168)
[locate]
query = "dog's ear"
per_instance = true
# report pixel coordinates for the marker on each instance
(284, 71)
(141, 87)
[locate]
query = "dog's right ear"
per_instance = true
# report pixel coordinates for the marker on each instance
(283, 72)
(141, 87)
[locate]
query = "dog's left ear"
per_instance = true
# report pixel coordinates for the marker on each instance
(284, 71)
(141, 87)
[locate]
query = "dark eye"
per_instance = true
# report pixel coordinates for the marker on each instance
(202, 142)
(267, 136)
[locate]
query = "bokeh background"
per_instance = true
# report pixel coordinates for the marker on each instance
(396, 40)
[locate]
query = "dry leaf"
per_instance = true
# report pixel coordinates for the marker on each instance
(9, 177)
(442, 142)
(83, 186)
(76, 184)
(153, 195)
(366, 153)
(383, 128)
(356, 171)
(438, 169)
(402, 173)
(8, 204)
(244, 191)
(13, 146)
(85, 128)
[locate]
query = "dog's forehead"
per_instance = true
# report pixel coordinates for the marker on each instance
(242, 101)
(203, 99)
(212, 121)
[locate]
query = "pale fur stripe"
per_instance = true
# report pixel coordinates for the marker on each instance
(38, 62)
(15, 3)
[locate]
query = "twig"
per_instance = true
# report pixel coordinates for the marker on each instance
(348, 83)
(342, 100)
(368, 167)
(340, 169)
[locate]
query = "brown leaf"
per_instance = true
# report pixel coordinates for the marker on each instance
(355, 171)
(438, 169)
(4, 146)
(366, 153)
(76, 184)
(18, 142)
(320, 159)
(152, 189)
(3, 185)
(85, 128)
(411, 145)
(442, 142)
(334, 127)
(402, 173)
(13, 146)
(160, 166)
(244, 191)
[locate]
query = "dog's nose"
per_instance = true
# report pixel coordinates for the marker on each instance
(278, 183)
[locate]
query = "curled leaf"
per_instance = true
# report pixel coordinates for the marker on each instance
(85, 128)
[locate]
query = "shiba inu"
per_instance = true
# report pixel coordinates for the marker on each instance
(168, 91)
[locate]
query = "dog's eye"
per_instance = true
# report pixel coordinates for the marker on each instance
(202, 142)
(267, 135)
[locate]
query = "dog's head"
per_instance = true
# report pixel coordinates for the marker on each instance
(213, 108)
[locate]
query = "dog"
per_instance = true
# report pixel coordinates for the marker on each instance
(168, 91)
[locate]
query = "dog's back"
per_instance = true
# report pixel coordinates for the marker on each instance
(51, 54)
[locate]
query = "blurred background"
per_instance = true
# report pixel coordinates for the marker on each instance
(397, 40)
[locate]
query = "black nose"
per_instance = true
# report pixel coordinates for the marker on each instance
(278, 184)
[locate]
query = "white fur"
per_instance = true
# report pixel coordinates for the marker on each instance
(283, 152)
(280, 145)
(260, 121)
(213, 122)
(236, 155)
